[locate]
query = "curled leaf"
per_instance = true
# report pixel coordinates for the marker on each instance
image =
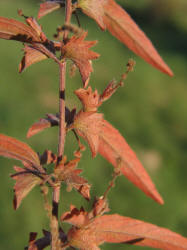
(78, 51)
(48, 7)
(114, 148)
(11, 29)
(108, 14)
(12, 148)
(25, 182)
(31, 56)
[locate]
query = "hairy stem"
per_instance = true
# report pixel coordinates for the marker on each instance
(55, 244)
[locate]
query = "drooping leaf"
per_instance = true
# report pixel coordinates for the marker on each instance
(31, 56)
(48, 7)
(11, 29)
(114, 148)
(78, 51)
(12, 148)
(25, 182)
(108, 14)
(50, 121)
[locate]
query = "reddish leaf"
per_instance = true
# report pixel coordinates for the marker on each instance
(25, 182)
(118, 229)
(114, 148)
(110, 15)
(78, 51)
(48, 7)
(76, 217)
(11, 29)
(89, 126)
(31, 56)
(12, 148)
(68, 173)
(106, 140)
(90, 99)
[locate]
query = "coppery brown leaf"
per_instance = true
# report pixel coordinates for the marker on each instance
(108, 14)
(89, 126)
(75, 217)
(12, 148)
(118, 229)
(114, 148)
(25, 182)
(31, 56)
(78, 51)
(107, 140)
(11, 29)
(50, 121)
(68, 173)
(48, 7)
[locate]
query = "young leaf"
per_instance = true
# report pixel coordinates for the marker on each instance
(48, 7)
(25, 182)
(12, 148)
(118, 229)
(68, 173)
(78, 51)
(114, 148)
(31, 56)
(11, 29)
(108, 14)
(89, 126)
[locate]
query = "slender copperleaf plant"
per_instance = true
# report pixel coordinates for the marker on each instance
(89, 229)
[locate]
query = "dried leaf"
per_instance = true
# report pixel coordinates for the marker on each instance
(12, 148)
(114, 148)
(110, 15)
(11, 29)
(31, 56)
(25, 182)
(78, 51)
(48, 7)
(89, 126)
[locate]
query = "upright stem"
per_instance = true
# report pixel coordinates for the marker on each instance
(55, 244)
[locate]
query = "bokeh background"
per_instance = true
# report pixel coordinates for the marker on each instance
(150, 111)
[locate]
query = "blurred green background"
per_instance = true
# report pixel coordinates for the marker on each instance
(150, 112)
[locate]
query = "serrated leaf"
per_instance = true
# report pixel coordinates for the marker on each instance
(31, 56)
(48, 7)
(25, 182)
(114, 148)
(11, 29)
(110, 15)
(13, 148)
(78, 51)
(89, 126)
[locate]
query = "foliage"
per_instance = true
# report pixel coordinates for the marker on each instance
(90, 229)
